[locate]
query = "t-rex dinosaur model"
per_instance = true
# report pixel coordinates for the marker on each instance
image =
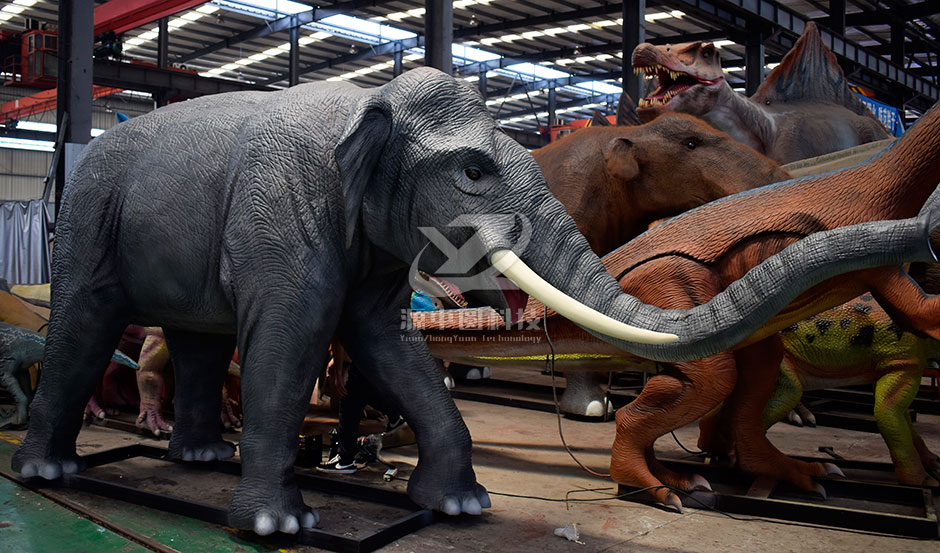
(20, 349)
(803, 109)
(687, 260)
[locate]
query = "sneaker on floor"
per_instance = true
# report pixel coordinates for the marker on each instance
(337, 466)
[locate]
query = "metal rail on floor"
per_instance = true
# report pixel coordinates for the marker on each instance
(417, 519)
(854, 505)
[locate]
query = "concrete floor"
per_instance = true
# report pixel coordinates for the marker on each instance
(518, 452)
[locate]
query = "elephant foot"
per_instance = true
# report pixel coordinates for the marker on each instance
(256, 508)
(585, 395)
(207, 451)
(446, 493)
(152, 420)
(35, 459)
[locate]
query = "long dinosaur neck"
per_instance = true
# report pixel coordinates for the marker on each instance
(911, 168)
(744, 120)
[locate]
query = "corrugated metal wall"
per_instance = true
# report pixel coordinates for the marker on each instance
(21, 173)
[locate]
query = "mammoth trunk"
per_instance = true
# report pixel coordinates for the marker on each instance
(568, 278)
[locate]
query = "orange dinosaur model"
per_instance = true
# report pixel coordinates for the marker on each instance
(688, 260)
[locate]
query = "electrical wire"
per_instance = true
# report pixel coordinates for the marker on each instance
(550, 363)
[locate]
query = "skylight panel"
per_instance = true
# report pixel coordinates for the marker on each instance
(366, 27)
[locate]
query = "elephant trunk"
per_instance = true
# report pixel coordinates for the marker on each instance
(579, 287)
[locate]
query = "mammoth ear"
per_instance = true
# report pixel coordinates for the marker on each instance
(621, 162)
(358, 151)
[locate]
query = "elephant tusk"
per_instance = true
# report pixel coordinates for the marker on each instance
(513, 268)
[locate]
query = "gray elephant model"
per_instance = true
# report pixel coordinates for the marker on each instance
(274, 220)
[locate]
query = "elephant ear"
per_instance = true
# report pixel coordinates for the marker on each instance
(621, 162)
(358, 151)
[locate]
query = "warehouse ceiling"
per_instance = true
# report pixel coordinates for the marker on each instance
(526, 43)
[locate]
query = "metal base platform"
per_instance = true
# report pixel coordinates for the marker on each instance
(874, 507)
(417, 519)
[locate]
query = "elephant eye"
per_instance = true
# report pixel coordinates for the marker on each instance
(473, 173)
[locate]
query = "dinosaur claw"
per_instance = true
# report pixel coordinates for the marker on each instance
(698, 483)
(672, 500)
(833, 470)
(822, 491)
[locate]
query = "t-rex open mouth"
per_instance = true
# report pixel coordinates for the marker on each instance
(671, 83)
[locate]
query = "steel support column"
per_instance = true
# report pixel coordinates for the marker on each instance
(293, 62)
(396, 60)
(439, 34)
(837, 16)
(897, 44)
(552, 106)
(163, 55)
(634, 33)
(754, 62)
(73, 97)
(484, 88)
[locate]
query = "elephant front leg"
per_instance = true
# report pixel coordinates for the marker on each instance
(585, 395)
(281, 349)
(393, 356)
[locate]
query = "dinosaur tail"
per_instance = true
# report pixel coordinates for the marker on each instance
(750, 302)
(122, 359)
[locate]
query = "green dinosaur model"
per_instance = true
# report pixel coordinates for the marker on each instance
(20, 349)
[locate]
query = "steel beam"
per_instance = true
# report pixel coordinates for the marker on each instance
(597, 99)
(280, 25)
(439, 33)
(150, 79)
(130, 14)
(897, 44)
(383, 49)
(634, 34)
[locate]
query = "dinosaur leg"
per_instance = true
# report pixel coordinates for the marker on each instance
(903, 299)
(154, 356)
(894, 393)
(759, 368)
(9, 370)
(928, 458)
(200, 362)
(786, 395)
(679, 395)
(714, 433)
(673, 479)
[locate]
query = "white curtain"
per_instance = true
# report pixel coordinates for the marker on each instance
(24, 242)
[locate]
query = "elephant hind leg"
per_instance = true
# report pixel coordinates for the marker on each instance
(678, 396)
(88, 319)
(200, 362)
